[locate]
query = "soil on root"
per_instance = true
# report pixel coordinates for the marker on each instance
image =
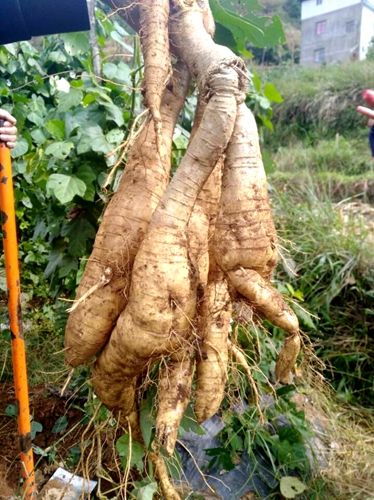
(46, 407)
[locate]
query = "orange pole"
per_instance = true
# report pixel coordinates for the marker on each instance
(8, 221)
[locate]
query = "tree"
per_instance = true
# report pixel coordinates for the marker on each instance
(170, 258)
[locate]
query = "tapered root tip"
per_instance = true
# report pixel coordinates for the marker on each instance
(287, 358)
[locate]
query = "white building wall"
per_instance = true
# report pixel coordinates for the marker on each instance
(367, 30)
(309, 8)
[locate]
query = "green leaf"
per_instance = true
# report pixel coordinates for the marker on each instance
(117, 37)
(68, 100)
(60, 425)
(21, 148)
(59, 150)
(118, 72)
(57, 56)
(115, 136)
(79, 231)
(147, 491)
(54, 260)
(65, 187)
(137, 452)
(260, 31)
(38, 136)
(291, 487)
(67, 265)
(271, 93)
(35, 427)
(304, 316)
(114, 113)
(93, 139)
(11, 411)
(88, 176)
(189, 423)
(76, 43)
(39, 451)
(56, 128)
(147, 422)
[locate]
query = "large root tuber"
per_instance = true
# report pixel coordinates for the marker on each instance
(245, 237)
(162, 301)
(124, 225)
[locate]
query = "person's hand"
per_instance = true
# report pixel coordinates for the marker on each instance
(8, 132)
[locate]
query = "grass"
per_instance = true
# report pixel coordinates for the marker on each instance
(44, 343)
(318, 102)
(330, 251)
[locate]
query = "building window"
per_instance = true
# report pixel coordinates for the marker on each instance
(319, 55)
(320, 27)
(350, 26)
(319, 2)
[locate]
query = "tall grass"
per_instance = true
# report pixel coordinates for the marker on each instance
(330, 251)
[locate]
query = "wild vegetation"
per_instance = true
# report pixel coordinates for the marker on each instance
(325, 269)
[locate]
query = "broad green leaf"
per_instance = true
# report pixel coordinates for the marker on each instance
(76, 43)
(114, 113)
(36, 118)
(60, 425)
(137, 452)
(189, 423)
(93, 139)
(88, 176)
(291, 486)
(118, 38)
(56, 128)
(147, 491)
(59, 150)
(67, 264)
(35, 427)
(65, 187)
(271, 93)
(54, 260)
(68, 100)
(260, 31)
(118, 72)
(22, 147)
(115, 136)
(11, 411)
(39, 451)
(79, 231)
(57, 56)
(38, 136)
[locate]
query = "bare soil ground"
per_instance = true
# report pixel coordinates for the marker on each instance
(46, 408)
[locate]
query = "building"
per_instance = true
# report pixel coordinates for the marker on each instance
(335, 30)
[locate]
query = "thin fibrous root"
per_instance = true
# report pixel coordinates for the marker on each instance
(104, 280)
(240, 358)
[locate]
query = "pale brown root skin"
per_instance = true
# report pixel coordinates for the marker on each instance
(174, 394)
(287, 358)
(167, 487)
(212, 357)
(245, 237)
(162, 300)
(154, 37)
(124, 225)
